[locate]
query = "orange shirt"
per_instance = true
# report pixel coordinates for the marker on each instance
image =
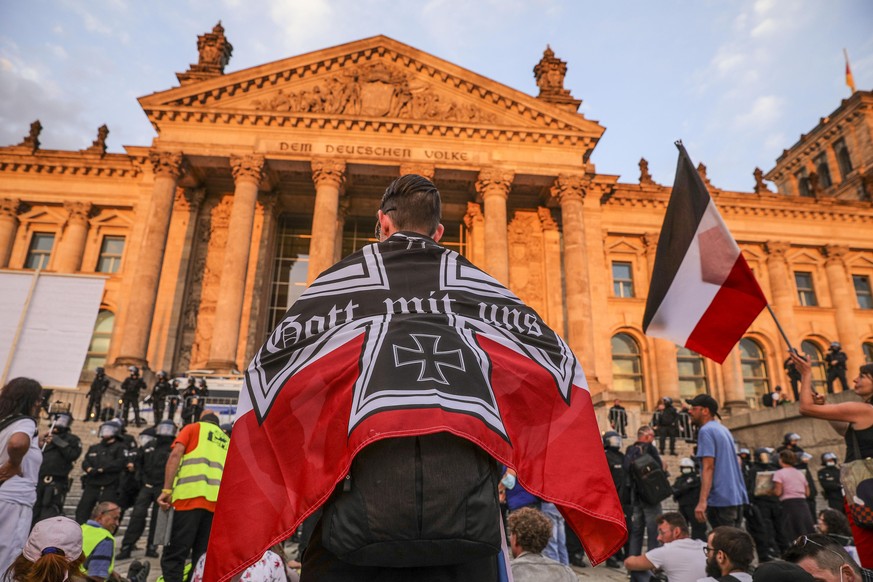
(190, 436)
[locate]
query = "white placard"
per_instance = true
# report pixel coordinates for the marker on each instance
(54, 335)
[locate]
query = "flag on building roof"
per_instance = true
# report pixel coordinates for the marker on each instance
(403, 338)
(850, 80)
(703, 295)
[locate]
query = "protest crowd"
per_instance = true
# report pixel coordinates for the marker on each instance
(729, 513)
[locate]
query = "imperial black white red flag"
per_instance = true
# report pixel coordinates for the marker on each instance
(703, 295)
(403, 338)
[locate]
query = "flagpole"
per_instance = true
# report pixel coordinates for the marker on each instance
(782, 331)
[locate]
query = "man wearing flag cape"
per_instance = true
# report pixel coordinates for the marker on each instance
(386, 396)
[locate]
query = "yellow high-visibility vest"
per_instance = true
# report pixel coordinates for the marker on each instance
(200, 470)
(91, 536)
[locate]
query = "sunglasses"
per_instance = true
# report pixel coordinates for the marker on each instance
(803, 540)
(707, 549)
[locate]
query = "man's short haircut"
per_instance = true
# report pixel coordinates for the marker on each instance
(413, 202)
(827, 554)
(736, 543)
(675, 519)
(102, 508)
(644, 430)
(788, 457)
(532, 529)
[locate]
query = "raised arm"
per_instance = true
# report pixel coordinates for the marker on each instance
(860, 413)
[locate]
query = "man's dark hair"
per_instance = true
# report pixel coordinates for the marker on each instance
(826, 553)
(532, 529)
(19, 396)
(675, 519)
(414, 204)
(736, 543)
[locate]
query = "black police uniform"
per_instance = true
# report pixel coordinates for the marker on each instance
(686, 493)
(131, 387)
(770, 512)
(173, 400)
(615, 460)
(99, 385)
(160, 392)
(103, 465)
(831, 488)
(152, 461)
(54, 473)
(836, 359)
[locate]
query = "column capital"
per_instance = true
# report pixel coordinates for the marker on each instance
(650, 239)
(474, 213)
(494, 182)
(329, 172)
(426, 170)
(547, 221)
(78, 211)
(777, 249)
(248, 167)
(835, 254)
(167, 164)
(189, 199)
(10, 207)
(569, 187)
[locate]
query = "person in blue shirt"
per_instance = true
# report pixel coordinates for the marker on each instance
(722, 490)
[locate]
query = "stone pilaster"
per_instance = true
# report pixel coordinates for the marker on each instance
(72, 245)
(734, 390)
(167, 168)
(9, 208)
(342, 213)
(247, 175)
(843, 300)
(783, 299)
(329, 177)
(666, 366)
(493, 188)
(552, 258)
(570, 193)
(475, 223)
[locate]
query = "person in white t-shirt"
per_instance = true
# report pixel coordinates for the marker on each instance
(680, 557)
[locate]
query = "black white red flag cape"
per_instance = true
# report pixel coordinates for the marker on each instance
(403, 338)
(703, 295)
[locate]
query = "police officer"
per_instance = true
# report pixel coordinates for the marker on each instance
(99, 385)
(160, 392)
(61, 449)
(173, 400)
(193, 399)
(686, 493)
(129, 483)
(150, 471)
(615, 460)
(829, 479)
(131, 387)
(103, 465)
(790, 442)
(767, 505)
(803, 460)
(836, 359)
(667, 426)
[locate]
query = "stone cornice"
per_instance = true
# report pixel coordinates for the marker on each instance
(70, 164)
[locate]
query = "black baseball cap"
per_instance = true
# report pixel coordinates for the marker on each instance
(706, 401)
(779, 571)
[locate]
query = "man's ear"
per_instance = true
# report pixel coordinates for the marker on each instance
(438, 233)
(386, 225)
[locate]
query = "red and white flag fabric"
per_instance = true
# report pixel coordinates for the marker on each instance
(703, 295)
(402, 338)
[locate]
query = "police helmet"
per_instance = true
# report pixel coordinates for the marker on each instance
(805, 457)
(99, 370)
(686, 463)
(192, 380)
(162, 375)
(202, 383)
(133, 369)
(744, 451)
(667, 401)
(611, 439)
(764, 455)
(63, 420)
(790, 437)
(827, 457)
(835, 345)
(166, 428)
(143, 439)
(108, 430)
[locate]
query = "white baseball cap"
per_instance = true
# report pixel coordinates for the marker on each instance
(53, 534)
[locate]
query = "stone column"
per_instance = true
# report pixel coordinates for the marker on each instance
(843, 299)
(167, 167)
(8, 227)
(475, 223)
(552, 257)
(493, 187)
(72, 246)
(781, 290)
(329, 177)
(734, 390)
(570, 192)
(341, 214)
(247, 175)
(666, 366)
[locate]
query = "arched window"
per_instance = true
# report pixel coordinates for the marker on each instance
(627, 366)
(692, 373)
(99, 347)
(868, 352)
(756, 380)
(816, 360)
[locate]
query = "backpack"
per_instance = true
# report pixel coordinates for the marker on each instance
(415, 501)
(651, 482)
(767, 400)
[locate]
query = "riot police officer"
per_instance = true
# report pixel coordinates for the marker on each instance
(131, 387)
(150, 472)
(829, 479)
(790, 442)
(173, 400)
(836, 359)
(103, 465)
(193, 397)
(160, 392)
(99, 385)
(686, 493)
(61, 449)
(615, 460)
(767, 505)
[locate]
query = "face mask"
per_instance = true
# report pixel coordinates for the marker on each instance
(508, 481)
(831, 463)
(686, 470)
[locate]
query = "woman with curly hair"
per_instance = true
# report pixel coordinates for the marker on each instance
(20, 458)
(52, 553)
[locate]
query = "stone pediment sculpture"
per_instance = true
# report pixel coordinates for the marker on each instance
(375, 79)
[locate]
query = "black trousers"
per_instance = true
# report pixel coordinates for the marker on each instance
(698, 530)
(158, 410)
(796, 520)
(731, 515)
(319, 565)
(771, 516)
(126, 404)
(190, 536)
(663, 433)
(836, 374)
(50, 498)
(93, 404)
(147, 497)
(91, 496)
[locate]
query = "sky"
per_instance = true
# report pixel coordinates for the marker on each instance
(738, 81)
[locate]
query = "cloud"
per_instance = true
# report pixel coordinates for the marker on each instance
(301, 22)
(765, 111)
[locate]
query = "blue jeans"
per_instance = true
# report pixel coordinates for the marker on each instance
(557, 547)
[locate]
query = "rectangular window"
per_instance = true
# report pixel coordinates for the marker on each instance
(803, 188)
(862, 291)
(805, 289)
(110, 254)
(844, 161)
(823, 171)
(40, 250)
(622, 279)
